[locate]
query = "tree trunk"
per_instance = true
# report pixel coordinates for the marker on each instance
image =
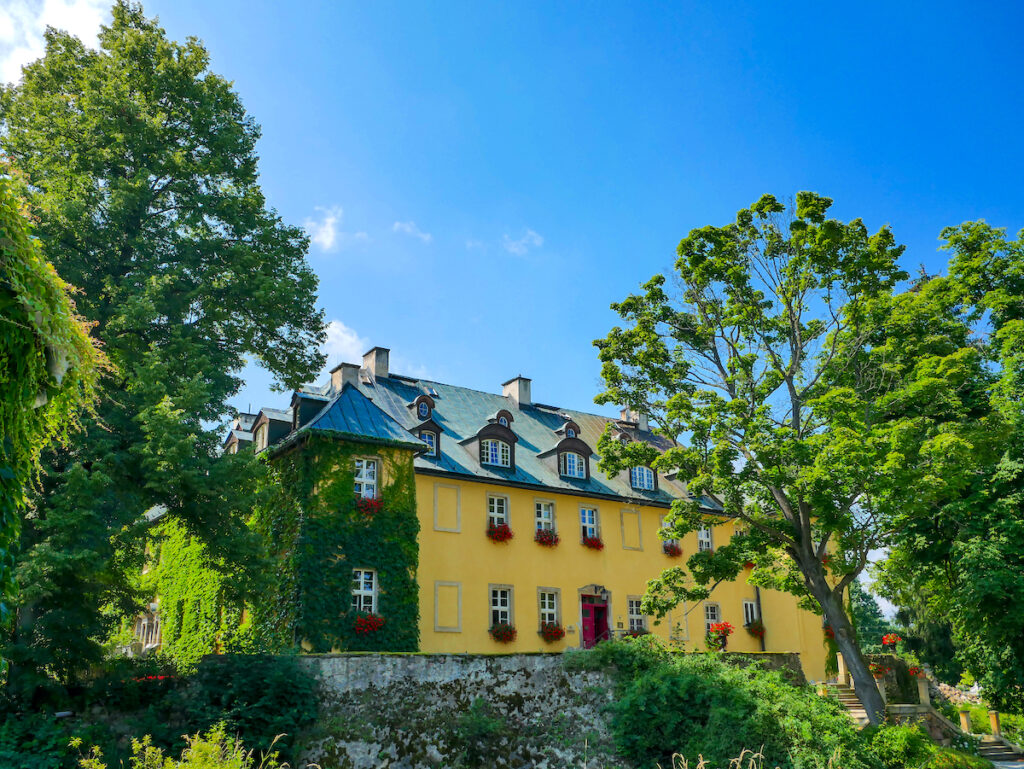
(863, 682)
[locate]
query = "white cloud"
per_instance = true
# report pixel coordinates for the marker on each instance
(343, 344)
(325, 232)
(519, 247)
(472, 245)
(22, 23)
(410, 228)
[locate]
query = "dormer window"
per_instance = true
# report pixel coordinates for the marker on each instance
(642, 478)
(423, 410)
(503, 421)
(570, 433)
(572, 465)
(261, 436)
(429, 438)
(495, 452)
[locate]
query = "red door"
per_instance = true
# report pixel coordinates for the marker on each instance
(588, 626)
(595, 621)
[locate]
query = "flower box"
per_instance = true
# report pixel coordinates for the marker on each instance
(594, 543)
(368, 623)
(503, 632)
(671, 549)
(546, 537)
(878, 671)
(499, 533)
(755, 628)
(551, 632)
(369, 505)
(718, 636)
(916, 672)
(890, 639)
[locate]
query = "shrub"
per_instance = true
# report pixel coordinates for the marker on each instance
(697, 705)
(214, 750)
(477, 732)
(946, 758)
(902, 747)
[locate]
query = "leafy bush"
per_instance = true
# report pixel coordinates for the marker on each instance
(697, 705)
(477, 731)
(902, 747)
(214, 750)
(946, 758)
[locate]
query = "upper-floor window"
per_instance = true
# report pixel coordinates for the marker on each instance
(366, 478)
(501, 606)
(423, 409)
(545, 516)
(497, 510)
(749, 612)
(548, 604)
(637, 620)
(704, 539)
(429, 438)
(495, 452)
(664, 525)
(642, 478)
(571, 465)
(261, 437)
(588, 522)
(570, 433)
(712, 616)
(364, 591)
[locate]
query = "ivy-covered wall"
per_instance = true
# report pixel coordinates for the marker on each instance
(313, 524)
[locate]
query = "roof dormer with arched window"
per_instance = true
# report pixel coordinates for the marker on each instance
(497, 442)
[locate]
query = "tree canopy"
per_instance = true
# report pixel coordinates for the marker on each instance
(814, 401)
(140, 165)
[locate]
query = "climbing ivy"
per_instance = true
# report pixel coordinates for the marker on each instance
(313, 523)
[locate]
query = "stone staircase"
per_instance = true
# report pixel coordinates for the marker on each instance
(997, 751)
(848, 699)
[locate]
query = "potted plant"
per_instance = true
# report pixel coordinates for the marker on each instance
(369, 505)
(877, 670)
(718, 636)
(499, 532)
(551, 631)
(916, 672)
(503, 632)
(755, 628)
(890, 639)
(368, 623)
(546, 537)
(594, 543)
(671, 549)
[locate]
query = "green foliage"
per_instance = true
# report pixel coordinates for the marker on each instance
(320, 537)
(818, 405)
(217, 749)
(695, 704)
(140, 166)
(48, 371)
(868, 619)
(902, 747)
(478, 731)
(947, 758)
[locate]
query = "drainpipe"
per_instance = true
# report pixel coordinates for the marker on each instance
(757, 600)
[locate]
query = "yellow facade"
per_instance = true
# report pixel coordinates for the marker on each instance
(459, 565)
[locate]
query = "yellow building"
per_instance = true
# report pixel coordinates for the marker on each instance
(583, 544)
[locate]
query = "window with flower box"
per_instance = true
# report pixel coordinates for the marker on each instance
(588, 523)
(712, 615)
(749, 612)
(364, 591)
(544, 515)
(366, 478)
(664, 525)
(497, 510)
(547, 601)
(495, 452)
(704, 542)
(637, 620)
(501, 605)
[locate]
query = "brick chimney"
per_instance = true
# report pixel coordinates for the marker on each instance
(376, 362)
(518, 389)
(343, 374)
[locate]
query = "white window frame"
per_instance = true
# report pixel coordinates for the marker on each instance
(548, 605)
(709, 620)
(495, 453)
(497, 509)
(635, 617)
(705, 541)
(543, 515)
(367, 477)
(431, 443)
(589, 528)
(572, 465)
(664, 525)
(364, 590)
(749, 612)
(500, 604)
(642, 478)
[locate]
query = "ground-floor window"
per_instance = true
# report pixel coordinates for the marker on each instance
(364, 591)
(501, 606)
(637, 620)
(548, 604)
(712, 615)
(749, 612)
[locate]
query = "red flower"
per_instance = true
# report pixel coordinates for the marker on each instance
(671, 549)
(368, 623)
(748, 565)
(718, 635)
(369, 505)
(503, 632)
(829, 632)
(877, 670)
(546, 537)
(499, 533)
(756, 628)
(890, 639)
(594, 543)
(551, 631)
(915, 671)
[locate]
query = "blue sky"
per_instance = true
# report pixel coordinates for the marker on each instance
(482, 180)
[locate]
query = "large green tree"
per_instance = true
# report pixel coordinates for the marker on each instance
(961, 566)
(805, 394)
(140, 165)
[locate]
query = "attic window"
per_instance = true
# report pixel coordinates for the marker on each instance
(642, 478)
(496, 453)
(430, 438)
(423, 410)
(261, 437)
(503, 421)
(572, 465)
(570, 433)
